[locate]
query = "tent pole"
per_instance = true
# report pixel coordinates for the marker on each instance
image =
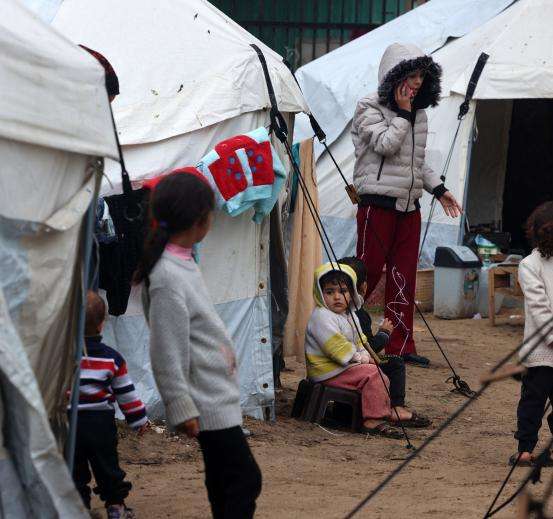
(467, 182)
(79, 339)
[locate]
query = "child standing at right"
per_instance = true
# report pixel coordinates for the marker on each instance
(191, 352)
(536, 280)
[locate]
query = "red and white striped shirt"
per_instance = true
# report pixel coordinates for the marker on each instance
(105, 380)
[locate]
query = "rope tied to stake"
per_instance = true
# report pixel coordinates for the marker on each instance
(541, 332)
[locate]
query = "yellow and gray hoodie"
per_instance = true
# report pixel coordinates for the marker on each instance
(331, 339)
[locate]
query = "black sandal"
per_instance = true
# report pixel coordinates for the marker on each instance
(417, 421)
(385, 430)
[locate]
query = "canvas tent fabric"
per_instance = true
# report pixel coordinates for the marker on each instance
(217, 81)
(75, 90)
(54, 121)
(189, 81)
(333, 96)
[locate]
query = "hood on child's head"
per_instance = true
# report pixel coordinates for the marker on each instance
(325, 268)
(398, 61)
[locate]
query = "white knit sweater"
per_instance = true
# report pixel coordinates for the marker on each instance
(535, 275)
(190, 349)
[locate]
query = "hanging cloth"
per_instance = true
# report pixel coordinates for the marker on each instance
(245, 172)
(119, 259)
(305, 256)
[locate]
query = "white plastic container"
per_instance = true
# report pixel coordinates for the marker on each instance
(456, 282)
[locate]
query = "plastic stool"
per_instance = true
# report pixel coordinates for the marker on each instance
(342, 396)
(312, 400)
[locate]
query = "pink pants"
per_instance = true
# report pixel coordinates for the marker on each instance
(364, 379)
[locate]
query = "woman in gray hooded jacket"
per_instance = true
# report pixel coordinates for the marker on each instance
(389, 134)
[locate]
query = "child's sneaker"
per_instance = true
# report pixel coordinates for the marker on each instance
(120, 512)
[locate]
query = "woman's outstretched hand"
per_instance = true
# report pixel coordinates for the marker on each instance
(450, 205)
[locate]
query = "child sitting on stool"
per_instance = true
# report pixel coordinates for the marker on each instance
(535, 275)
(103, 380)
(336, 354)
(393, 366)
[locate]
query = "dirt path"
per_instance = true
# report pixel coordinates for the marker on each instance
(310, 472)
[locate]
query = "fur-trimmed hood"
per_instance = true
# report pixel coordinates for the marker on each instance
(397, 62)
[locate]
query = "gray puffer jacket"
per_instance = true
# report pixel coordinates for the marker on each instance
(389, 142)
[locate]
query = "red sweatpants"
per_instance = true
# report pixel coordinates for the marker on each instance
(389, 237)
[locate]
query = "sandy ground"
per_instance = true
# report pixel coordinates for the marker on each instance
(312, 472)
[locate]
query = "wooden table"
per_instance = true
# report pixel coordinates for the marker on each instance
(502, 279)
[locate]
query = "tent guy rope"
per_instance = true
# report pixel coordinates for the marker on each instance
(542, 331)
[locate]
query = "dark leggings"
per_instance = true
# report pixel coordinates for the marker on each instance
(537, 387)
(232, 477)
(394, 369)
(96, 449)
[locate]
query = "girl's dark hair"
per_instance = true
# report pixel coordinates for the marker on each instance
(539, 229)
(336, 277)
(178, 202)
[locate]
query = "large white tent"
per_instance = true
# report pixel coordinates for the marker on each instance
(333, 84)
(189, 79)
(494, 158)
(54, 123)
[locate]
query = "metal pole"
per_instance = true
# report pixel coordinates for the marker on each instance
(79, 339)
(468, 168)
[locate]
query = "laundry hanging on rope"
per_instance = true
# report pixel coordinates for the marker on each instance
(245, 172)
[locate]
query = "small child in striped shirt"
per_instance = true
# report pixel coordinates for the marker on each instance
(104, 380)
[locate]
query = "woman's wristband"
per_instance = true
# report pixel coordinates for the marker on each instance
(439, 191)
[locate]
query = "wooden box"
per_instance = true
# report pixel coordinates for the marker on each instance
(424, 290)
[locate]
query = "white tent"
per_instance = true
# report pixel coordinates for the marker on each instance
(505, 148)
(333, 84)
(189, 79)
(54, 121)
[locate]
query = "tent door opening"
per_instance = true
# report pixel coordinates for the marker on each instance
(511, 170)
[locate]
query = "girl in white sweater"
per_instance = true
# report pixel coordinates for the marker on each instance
(536, 279)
